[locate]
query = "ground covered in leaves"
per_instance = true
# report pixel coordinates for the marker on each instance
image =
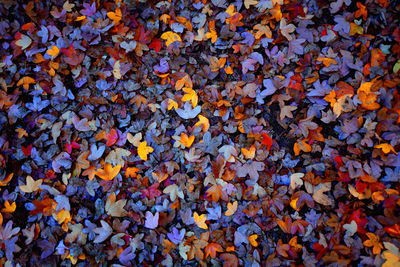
(255, 133)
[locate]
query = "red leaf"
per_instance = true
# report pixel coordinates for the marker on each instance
(27, 150)
(156, 44)
(267, 141)
(393, 230)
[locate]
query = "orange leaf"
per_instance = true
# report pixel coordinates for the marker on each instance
(249, 153)
(252, 240)
(25, 81)
(131, 172)
(212, 249)
(109, 172)
(7, 179)
(115, 16)
(386, 148)
(185, 81)
(186, 141)
(9, 208)
(53, 51)
(232, 208)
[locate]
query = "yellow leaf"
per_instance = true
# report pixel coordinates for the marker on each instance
(109, 172)
(203, 122)
(172, 104)
(200, 220)
(190, 96)
(53, 52)
(386, 148)
(232, 208)
(249, 153)
(31, 185)
(327, 61)
(80, 18)
(62, 216)
(252, 240)
(185, 140)
(144, 150)
(9, 208)
(170, 37)
(115, 16)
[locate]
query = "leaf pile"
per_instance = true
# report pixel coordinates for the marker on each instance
(168, 133)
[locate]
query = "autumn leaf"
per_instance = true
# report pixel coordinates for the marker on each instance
(386, 148)
(190, 96)
(203, 122)
(232, 208)
(115, 16)
(186, 140)
(252, 240)
(200, 220)
(115, 208)
(373, 241)
(9, 208)
(25, 82)
(172, 104)
(144, 150)
(31, 185)
(212, 249)
(108, 172)
(170, 37)
(53, 51)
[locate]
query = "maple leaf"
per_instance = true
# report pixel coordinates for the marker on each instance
(102, 232)
(144, 150)
(31, 185)
(212, 249)
(9, 208)
(115, 16)
(200, 220)
(108, 172)
(115, 208)
(373, 241)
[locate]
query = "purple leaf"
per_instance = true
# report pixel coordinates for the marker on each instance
(176, 237)
(151, 220)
